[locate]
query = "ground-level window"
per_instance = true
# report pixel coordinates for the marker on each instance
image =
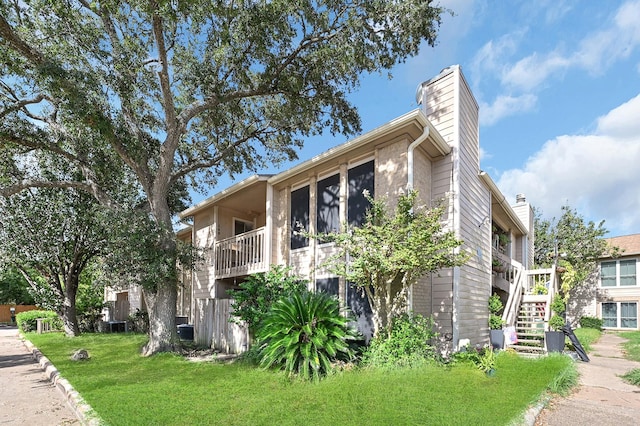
(618, 273)
(328, 285)
(620, 314)
(299, 217)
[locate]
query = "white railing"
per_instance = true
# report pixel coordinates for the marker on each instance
(241, 255)
(516, 289)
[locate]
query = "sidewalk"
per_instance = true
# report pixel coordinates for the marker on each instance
(27, 397)
(603, 398)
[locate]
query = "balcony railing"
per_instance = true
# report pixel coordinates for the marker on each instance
(242, 254)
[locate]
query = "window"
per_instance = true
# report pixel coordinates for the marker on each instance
(241, 226)
(618, 273)
(620, 314)
(360, 178)
(328, 205)
(328, 285)
(299, 217)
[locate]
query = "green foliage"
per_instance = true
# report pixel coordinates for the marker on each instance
(558, 305)
(168, 101)
(14, 289)
(138, 322)
(90, 299)
(483, 357)
(260, 291)
(591, 322)
(157, 390)
(579, 244)
(556, 322)
(632, 346)
(409, 242)
(565, 380)
(303, 334)
(495, 308)
(27, 320)
(407, 342)
(632, 377)
(586, 337)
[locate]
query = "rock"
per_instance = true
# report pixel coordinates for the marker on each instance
(80, 355)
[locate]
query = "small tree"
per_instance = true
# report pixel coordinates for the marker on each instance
(260, 291)
(391, 251)
(577, 243)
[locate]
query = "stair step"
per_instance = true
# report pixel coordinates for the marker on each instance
(530, 342)
(525, 348)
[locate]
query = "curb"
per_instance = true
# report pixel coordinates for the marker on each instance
(82, 410)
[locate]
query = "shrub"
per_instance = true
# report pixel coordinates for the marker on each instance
(591, 322)
(138, 322)
(27, 320)
(556, 322)
(406, 343)
(260, 291)
(303, 334)
(482, 357)
(495, 307)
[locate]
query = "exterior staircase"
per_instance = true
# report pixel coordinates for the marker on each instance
(529, 313)
(530, 325)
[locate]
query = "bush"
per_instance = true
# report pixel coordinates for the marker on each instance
(482, 357)
(591, 322)
(556, 322)
(27, 320)
(406, 343)
(260, 291)
(138, 322)
(303, 334)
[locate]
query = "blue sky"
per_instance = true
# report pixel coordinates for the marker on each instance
(558, 84)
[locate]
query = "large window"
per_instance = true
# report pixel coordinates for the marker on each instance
(328, 205)
(328, 285)
(620, 314)
(299, 217)
(361, 178)
(618, 273)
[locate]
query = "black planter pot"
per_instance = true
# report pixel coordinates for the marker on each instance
(554, 341)
(496, 337)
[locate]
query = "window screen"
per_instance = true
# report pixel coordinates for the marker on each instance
(360, 178)
(628, 272)
(608, 274)
(328, 205)
(299, 217)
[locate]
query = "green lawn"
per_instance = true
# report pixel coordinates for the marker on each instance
(632, 347)
(586, 336)
(126, 389)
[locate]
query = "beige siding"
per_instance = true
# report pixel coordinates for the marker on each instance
(391, 170)
(203, 284)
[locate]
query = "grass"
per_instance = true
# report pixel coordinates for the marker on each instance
(586, 336)
(632, 346)
(126, 389)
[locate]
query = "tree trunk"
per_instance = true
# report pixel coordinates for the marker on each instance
(69, 315)
(161, 305)
(161, 300)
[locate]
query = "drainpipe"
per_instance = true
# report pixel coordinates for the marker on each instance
(423, 137)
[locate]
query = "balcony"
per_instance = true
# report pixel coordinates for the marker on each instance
(242, 254)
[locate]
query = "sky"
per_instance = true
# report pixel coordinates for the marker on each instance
(558, 85)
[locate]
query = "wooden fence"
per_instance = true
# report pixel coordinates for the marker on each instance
(212, 327)
(5, 311)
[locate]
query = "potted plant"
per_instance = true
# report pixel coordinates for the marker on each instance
(496, 265)
(496, 335)
(554, 338)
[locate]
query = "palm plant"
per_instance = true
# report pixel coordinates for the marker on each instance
(303, 334)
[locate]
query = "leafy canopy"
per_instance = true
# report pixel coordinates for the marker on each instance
(577, 243)
(172, 95)
(392, 250)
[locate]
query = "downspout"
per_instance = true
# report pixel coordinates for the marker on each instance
(423, 137)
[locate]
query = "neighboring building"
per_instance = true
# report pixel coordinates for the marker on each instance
(613, 293)
(436, 151)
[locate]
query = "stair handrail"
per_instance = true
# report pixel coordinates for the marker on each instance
(516, 287)
(553, 289)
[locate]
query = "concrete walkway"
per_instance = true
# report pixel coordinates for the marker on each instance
(602, 398)
(27, 397)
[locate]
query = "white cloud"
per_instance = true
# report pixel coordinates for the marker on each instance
(596, 52)
(504, 106)
(596, 174)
